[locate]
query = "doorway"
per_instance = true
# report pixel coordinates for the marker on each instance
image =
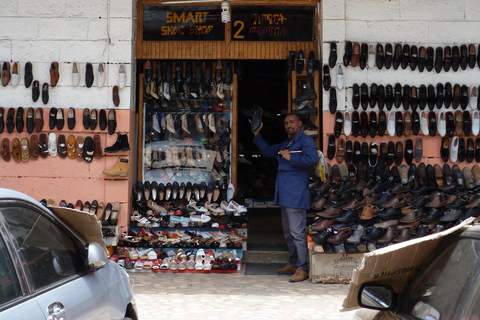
(262, 83)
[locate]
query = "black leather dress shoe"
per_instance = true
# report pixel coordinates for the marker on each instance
(464, 97)
(35, 90)
(373, 98)
(438, 59)
(299, 66)
(364, 96)
(28, 78)
(397, 57)
(448, 97)
(415, 123)
(422, 97)
(357, 153)
(355, 123)
(397, 100)
(445, 149)
(431, 98)
(389, 97)
(373, 233)
(381, 96)
(447, 58)
(19, 119)
(450, 124)
(422, 58)
(467, 123)
(463, 57)
(432, 124)
(430, 58)
(440, 96)
(373, 124)
(322, 236)
(327, 80)
(433, 214)
(52, 118)
(311, 60)
(331, 147)
(472, 60)
(348, 152)
(347, 55)
(413, 58)
(462, 149)
(332, 105)
(364, 124)
(256, 118)
(399, 128)
(363, 56)
(355, 96)
(308, 94)
(455, 58)
(405, 56)
(379, 56)
(406, 97)
(337, 129)
(388, 55)
(382, 123)
(365, 154)
(408, 151)
(391, 153)
(332, 58)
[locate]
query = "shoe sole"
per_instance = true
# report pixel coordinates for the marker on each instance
(123, 149)
(286, 272)
(116, 175)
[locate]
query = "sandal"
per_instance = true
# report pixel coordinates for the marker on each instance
(115, 212)
(165, 264)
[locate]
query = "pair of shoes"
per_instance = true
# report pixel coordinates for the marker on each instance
(300, 275)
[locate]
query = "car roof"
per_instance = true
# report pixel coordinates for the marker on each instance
(6, 194)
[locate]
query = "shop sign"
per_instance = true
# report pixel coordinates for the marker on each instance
(272, 23)
(167, 23)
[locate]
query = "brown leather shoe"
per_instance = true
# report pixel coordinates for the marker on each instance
(392, 233)
(410, 226)
(318, 205)
(16, 153)
(407, 123)
(115, 96)
(403, 236)
(476, 174)
(412, 216)
(367, 213)
(355, 54)
(458, 122)
(39, 119)
(398, 200)
(97, 148)
(33, 149)
(438, 200)
(438, 175)
(386, 224)
(330, 213)
(288, 269)
(299, 276)
(322, 225)
(5, 150)
(340, 236)
(354, 204)
(54, 75)
(71, 147)
(6, 73)
(62, 146)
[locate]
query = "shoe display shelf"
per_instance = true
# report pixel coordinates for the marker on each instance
(111, 235)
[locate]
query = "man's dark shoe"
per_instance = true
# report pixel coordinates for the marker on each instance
(430, 54)
(332, 106)
(364, 96)
(381, 96)
(413, 58)
(19, 119)
(379, 56)
(308, 94)
(397, 58)
(355, 96)
(373, 234)
(311, 62)
(327, 80)
(447, 59)
(322, 236)
(471, 56)
(438, 59)
(256, 118)
(388, 55)
(290, 63)
(300, 62)
(120, 145)
(422, 59)
(332, 58)
(455, 58)
(347, 56)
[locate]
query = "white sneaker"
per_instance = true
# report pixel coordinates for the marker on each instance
(52, 144)
(424, 123)
(441, 124)
(391, 123)
(122, 77)
(340, 73)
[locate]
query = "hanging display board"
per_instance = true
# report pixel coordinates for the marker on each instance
(272, 23)
(162, 23)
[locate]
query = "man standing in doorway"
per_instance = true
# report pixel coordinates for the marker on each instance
(295, 156)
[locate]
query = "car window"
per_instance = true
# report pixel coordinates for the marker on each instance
(441, 288)
(9, 285)
(49, 253)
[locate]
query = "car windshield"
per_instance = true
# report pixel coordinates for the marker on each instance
(440, 290)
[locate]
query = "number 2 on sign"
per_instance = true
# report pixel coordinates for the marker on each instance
(237, 34)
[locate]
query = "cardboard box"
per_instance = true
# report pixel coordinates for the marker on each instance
(333, 268)
(396, 264)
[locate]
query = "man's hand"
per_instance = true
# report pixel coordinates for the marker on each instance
(260, 128)
(285, 154)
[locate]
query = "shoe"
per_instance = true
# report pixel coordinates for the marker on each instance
(300, 275)
(372, 101)
(340, 72)
(52, 144)
(388, 55)
(382, 123)
(54, 74)
(19, 119)
(62, 146)
(119, 169)
(397, 58)
(311, 61)
(332, 106)
(391, 123)
(327, 80)
(447, 58)
(438, 59)
(455, 58)
(120, 145)
(347, 55)
(371, 56)
(308, 94)
(28, 78)
(287, 269)
(300, 62)
(115, 96)
(471, 56)
(290, 62)
(405, 56)
(363, 56)
(6, 73)
(379, 56)
(355, 96)
(256, 121)
(364, 96)
(413, 58)
(337, 129)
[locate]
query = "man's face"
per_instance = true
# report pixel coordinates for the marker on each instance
(292, 125)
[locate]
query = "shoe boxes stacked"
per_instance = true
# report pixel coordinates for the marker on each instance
(404, 165)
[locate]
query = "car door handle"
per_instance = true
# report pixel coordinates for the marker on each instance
(56, 311)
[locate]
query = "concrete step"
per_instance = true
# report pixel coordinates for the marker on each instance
(265, 256)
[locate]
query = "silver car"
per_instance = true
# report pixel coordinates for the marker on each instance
(48, 272)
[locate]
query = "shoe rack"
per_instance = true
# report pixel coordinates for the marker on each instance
(295, 81)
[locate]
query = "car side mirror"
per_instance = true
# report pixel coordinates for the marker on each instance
(379, 297)
(97, 257)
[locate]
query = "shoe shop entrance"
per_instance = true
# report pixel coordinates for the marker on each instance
(202, 189)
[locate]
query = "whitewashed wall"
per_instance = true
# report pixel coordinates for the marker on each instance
(416, 22)
(67, 31)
